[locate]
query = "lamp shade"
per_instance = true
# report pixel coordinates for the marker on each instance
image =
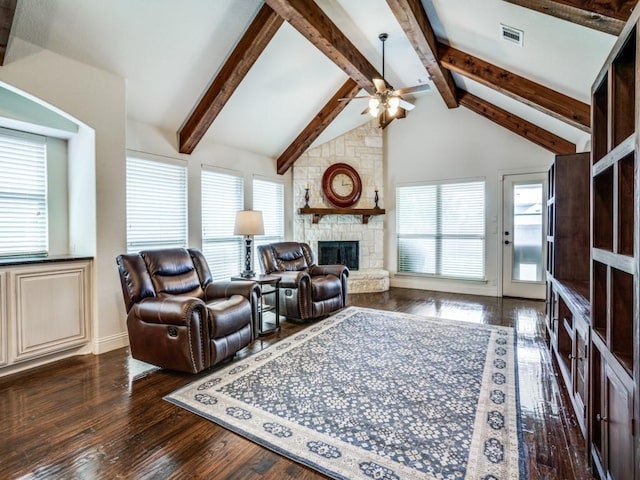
(249, 222)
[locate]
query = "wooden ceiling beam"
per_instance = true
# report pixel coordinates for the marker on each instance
(309, 19)
(515, 124)
(537, 96)
(327, 114)
(620, 9)
(7, 11)
(251, 45)
(415, 23)
(577, 12)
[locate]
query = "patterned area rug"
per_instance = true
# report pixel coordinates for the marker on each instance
(376, 395)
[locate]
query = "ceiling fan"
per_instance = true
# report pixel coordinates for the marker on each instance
(386, 101)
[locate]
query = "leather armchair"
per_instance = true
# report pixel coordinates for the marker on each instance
(177, 317)
(307, 290)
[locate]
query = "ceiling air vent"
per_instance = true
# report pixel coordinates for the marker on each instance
(512, 35)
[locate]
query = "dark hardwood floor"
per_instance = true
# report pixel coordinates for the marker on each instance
(103, 416)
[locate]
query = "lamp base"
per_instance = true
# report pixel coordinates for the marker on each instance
(248, 274)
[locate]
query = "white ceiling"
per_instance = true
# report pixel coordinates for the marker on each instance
(169, 51)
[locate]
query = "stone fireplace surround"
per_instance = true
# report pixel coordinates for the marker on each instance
(362, 149)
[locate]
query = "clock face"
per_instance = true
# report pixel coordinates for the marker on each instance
(342, 185)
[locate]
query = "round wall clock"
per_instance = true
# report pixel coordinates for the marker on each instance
(341, 185)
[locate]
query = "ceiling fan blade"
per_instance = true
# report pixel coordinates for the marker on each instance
(380, 84)
(353, 98)
(406, 105)
(418, 88)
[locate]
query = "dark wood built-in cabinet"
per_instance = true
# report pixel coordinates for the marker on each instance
(568, 252)
(615, 372)
(593, 291)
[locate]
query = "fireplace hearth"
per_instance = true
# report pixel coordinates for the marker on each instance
(339, 253)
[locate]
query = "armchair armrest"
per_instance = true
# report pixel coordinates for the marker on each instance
(246, 288)
(176, 310)
(170, 332)
(337, 270)
(227, 288)
(293, 279)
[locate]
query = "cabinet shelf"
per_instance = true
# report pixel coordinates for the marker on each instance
(318, 213)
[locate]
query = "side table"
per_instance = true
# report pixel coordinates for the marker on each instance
(272, 284)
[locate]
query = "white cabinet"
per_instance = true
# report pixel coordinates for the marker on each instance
(45, 308)
(4, 343)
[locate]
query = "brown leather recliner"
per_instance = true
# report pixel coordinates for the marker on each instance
(177, 317)
(307, 290)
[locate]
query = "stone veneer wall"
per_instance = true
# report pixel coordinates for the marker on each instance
(362, 149)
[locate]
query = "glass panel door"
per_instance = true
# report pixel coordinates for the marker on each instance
(524, 241)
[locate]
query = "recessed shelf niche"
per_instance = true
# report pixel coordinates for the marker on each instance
(603, 210)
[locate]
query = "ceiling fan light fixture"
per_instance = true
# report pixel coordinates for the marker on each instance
(385, 102)
(374, 107)
(394, 103)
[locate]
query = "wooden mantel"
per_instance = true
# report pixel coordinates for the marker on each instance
(318, 213)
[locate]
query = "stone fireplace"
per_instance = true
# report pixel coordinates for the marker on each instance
(362, 149)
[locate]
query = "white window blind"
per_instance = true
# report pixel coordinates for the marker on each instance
(222, 198)
(441, 229)
(156, 204)
(268, 197)
(23, 194)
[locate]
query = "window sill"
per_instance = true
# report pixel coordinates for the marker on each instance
(427, 276)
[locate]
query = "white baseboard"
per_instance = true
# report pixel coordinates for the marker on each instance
(37, 362)
(111, 342)
(442, 285)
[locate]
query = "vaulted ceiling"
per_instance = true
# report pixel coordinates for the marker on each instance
(267, 76)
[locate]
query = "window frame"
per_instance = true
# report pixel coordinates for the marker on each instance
(136, 246)
(226, 270)
(439, 237)
(268, 237)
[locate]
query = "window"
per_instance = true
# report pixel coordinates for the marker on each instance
(23, 194)
(268, 197)
(156, 204)
(222, 198)
(441, 229)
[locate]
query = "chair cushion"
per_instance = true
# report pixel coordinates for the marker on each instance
(290, 257)
(325, 286)
(228, 315)
(172, 272)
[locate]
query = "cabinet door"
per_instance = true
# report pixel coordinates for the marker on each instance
(618, 427)
(580, 369)
(49, 309)
(549, 306)
(4, 344)
(553, 319)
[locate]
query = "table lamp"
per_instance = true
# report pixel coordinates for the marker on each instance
(248, 223)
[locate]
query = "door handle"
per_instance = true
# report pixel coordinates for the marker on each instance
(507, 242)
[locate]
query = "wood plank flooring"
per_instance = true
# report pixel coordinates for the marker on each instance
(103, 416)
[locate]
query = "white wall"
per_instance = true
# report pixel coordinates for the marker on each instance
(435, 143)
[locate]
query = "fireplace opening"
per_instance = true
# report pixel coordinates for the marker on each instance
(339, 253)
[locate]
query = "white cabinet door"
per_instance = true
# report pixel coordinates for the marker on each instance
(4, 343)
(49, 308)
